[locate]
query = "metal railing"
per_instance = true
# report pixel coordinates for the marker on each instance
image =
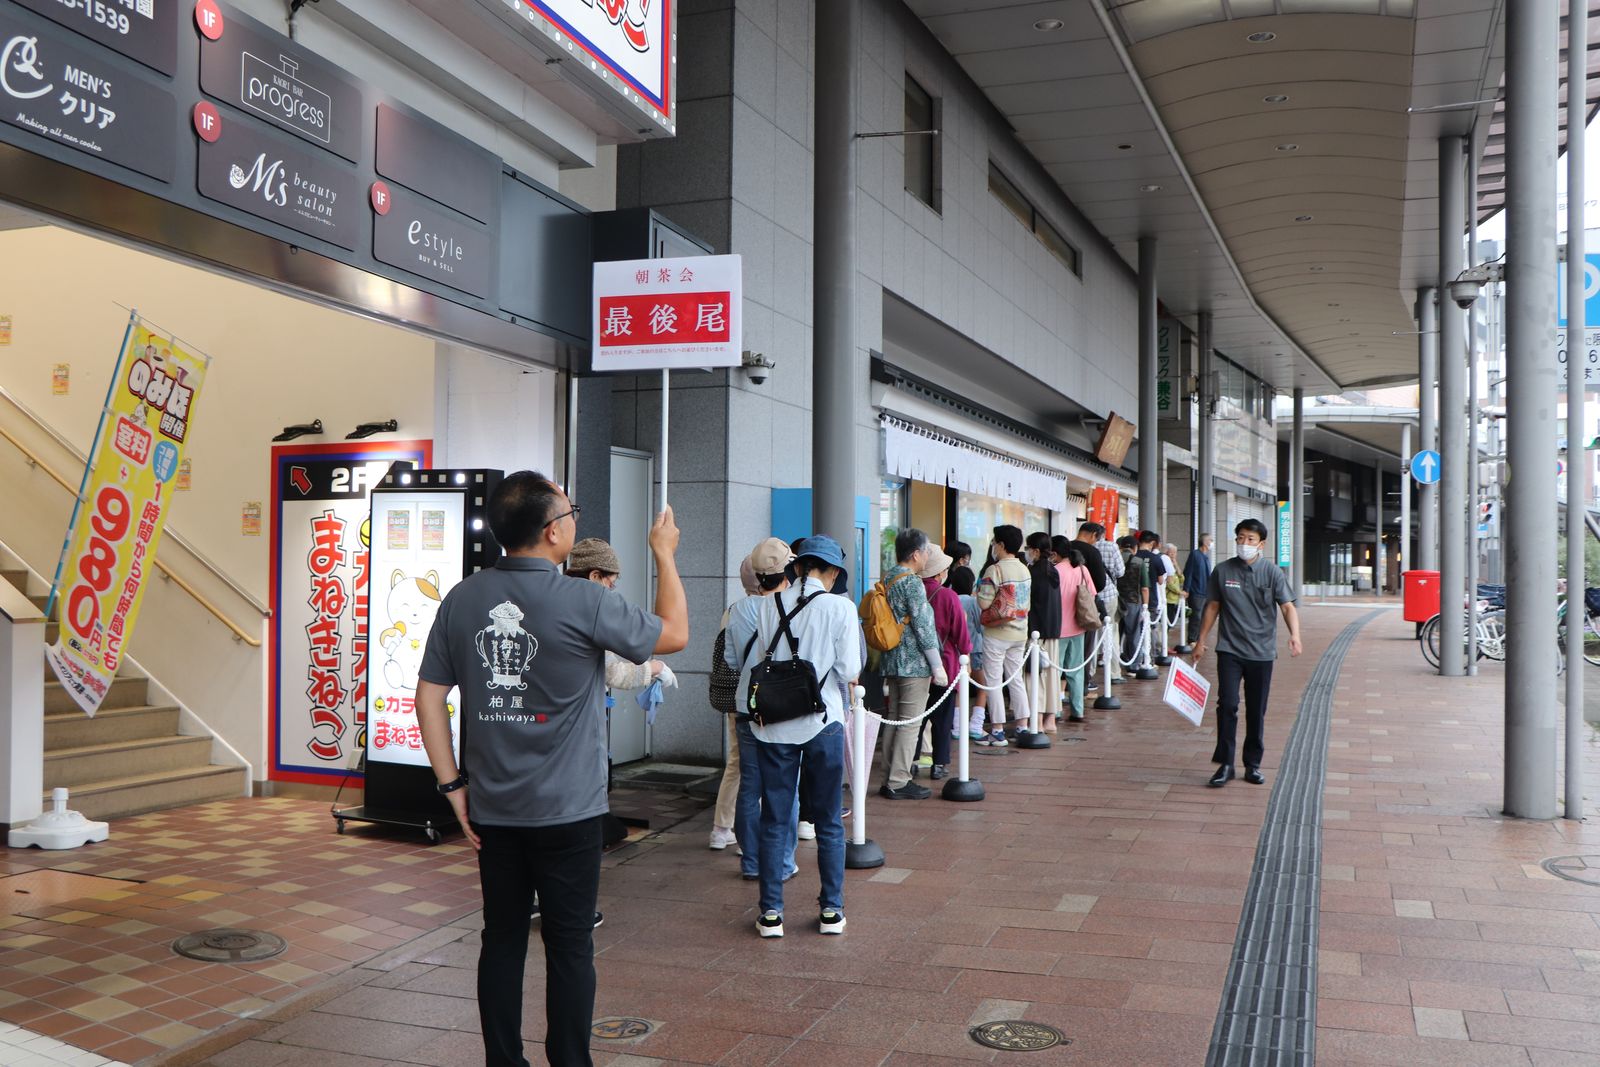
(35, 460)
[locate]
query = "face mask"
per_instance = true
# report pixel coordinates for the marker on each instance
(1248, 553)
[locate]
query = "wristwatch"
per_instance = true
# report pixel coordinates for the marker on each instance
(451, 787)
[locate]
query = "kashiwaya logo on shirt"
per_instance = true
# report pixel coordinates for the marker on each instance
(506, 649)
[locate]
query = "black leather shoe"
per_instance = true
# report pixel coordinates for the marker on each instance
(1254, 777)
(909, 791)
(938, 772)
(1223, 776)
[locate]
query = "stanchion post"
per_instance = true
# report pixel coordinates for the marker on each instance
(1147, 671)
(860, 852)
(961, 787)
(1184, 647)
(1106, 701)
(1158, 652)
(1034, 737)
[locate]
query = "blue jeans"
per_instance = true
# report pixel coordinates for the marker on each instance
(821, 762)
(747, 814)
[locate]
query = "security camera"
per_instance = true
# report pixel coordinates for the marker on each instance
(1464, 292)
(757, 367)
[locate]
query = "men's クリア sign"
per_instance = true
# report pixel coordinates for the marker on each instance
(142, 30)
(65, 90)
(663, 314)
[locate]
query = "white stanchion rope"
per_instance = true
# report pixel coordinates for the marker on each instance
(1144, 643)
(1032, 647)
(1088, 657)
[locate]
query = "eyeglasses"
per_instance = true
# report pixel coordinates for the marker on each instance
(575, 512)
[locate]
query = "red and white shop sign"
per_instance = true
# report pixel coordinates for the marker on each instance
(668, 314)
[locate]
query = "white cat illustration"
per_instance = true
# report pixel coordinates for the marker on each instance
(413, 603)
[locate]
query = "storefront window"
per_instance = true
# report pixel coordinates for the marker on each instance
(891, 518)
(977, 516)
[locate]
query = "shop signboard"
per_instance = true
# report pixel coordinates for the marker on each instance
(126, 495)
(417, 558)
(60, 88)
(1285, 533)
(142, 30)
(668, 314)
(1169, 368)
(408, 150)
(272, 177)
(1115, 439)
(248, 65)
(1104, 508)
(322, 589)
(627, 46)
(434, 243)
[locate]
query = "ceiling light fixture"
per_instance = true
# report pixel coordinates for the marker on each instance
(1262, 37)
(1275, 98)
(1290, 147)
(1303, 218)
(1314, 270)
(1124, 147)
(1047, 25)
(1151, 188)
(1334, 305)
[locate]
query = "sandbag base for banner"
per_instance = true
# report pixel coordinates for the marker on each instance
(864, 856)
(433, 829)
(58, 828)
(1030, 739)
(961, 791)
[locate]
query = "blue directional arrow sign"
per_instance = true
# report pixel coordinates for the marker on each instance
(1425, 466)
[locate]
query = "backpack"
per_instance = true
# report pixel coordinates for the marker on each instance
(1133, 586)
(878, 622)
(723, 685)
(785, 689)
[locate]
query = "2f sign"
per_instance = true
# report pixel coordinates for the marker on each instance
(1591, 293)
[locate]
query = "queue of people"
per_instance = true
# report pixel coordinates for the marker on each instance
(534, 643)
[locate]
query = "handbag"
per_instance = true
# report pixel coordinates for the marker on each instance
(1003, 608)
(786, 689)
(1085, 609)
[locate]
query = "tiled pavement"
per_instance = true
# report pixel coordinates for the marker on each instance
(1096, 889)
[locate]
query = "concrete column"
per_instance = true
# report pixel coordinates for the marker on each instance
(1578, 459)
(1428, 433)
(1403, 542)
(1297, 495)
(835, 382)
(1532, 28)
(1377, 537)
(1149, 431)
(1474, 153)
(1452, 495)
(1206, 474)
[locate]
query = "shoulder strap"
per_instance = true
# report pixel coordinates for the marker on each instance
(783, 630)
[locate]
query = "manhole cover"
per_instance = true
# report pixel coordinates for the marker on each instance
(1015, 1035)
(1585, 869)
(620, 1029)
(229, 946)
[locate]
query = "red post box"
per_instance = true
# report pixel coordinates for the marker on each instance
(1421, 595)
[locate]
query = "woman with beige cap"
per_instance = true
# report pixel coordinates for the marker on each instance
(596, 561)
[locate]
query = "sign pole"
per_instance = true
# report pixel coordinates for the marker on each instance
(666, 390)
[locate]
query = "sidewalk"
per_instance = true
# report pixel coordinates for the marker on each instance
(1097, 889)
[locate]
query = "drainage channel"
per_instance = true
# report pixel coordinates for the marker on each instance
(1268, 1014)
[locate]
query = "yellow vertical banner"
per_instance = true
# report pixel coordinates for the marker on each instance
(126, 494)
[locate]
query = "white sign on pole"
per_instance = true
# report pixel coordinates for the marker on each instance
(682, 313)
(1591, 321)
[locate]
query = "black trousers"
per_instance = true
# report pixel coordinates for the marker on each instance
(562, 864)
(1256, 674)
(1132, 633)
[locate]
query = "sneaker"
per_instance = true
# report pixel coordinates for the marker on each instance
(924, 761)
(997, 739)
(598, 919)
(832, 921)
(721, 838)
(534, 916)
(909, 791)
(806, 831)
(771, 924)
(978, 737)
(939, 771)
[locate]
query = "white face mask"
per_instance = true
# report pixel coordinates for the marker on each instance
(1248, 553)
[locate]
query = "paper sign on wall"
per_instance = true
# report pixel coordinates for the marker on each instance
(5, 329)
(250, 518)
(112, 545)
(61, 379)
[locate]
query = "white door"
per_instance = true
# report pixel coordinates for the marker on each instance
(631, 496)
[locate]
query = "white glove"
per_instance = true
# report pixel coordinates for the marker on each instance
(666, 677)
(941, 680)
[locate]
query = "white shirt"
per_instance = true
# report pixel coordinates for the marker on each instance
(827, 634)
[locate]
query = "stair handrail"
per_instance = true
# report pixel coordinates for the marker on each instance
(36, 460)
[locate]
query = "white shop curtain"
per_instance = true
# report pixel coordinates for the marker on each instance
(917, 452)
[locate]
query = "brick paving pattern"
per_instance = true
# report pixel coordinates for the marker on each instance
(1097, 889)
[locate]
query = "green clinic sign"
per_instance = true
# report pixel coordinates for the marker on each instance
(1285, 532)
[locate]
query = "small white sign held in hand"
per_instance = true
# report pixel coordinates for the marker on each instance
(1186, 691)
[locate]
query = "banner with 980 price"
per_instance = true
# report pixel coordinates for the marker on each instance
(112, 544)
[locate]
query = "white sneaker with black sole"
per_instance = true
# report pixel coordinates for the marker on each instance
(771, 924)
(832, 921)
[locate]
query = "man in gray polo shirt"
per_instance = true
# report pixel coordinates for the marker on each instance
(526, 645)
(1244, 597)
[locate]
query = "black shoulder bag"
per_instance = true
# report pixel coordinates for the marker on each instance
(787, 689)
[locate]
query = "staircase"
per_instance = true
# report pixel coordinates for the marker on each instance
(130, 758)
